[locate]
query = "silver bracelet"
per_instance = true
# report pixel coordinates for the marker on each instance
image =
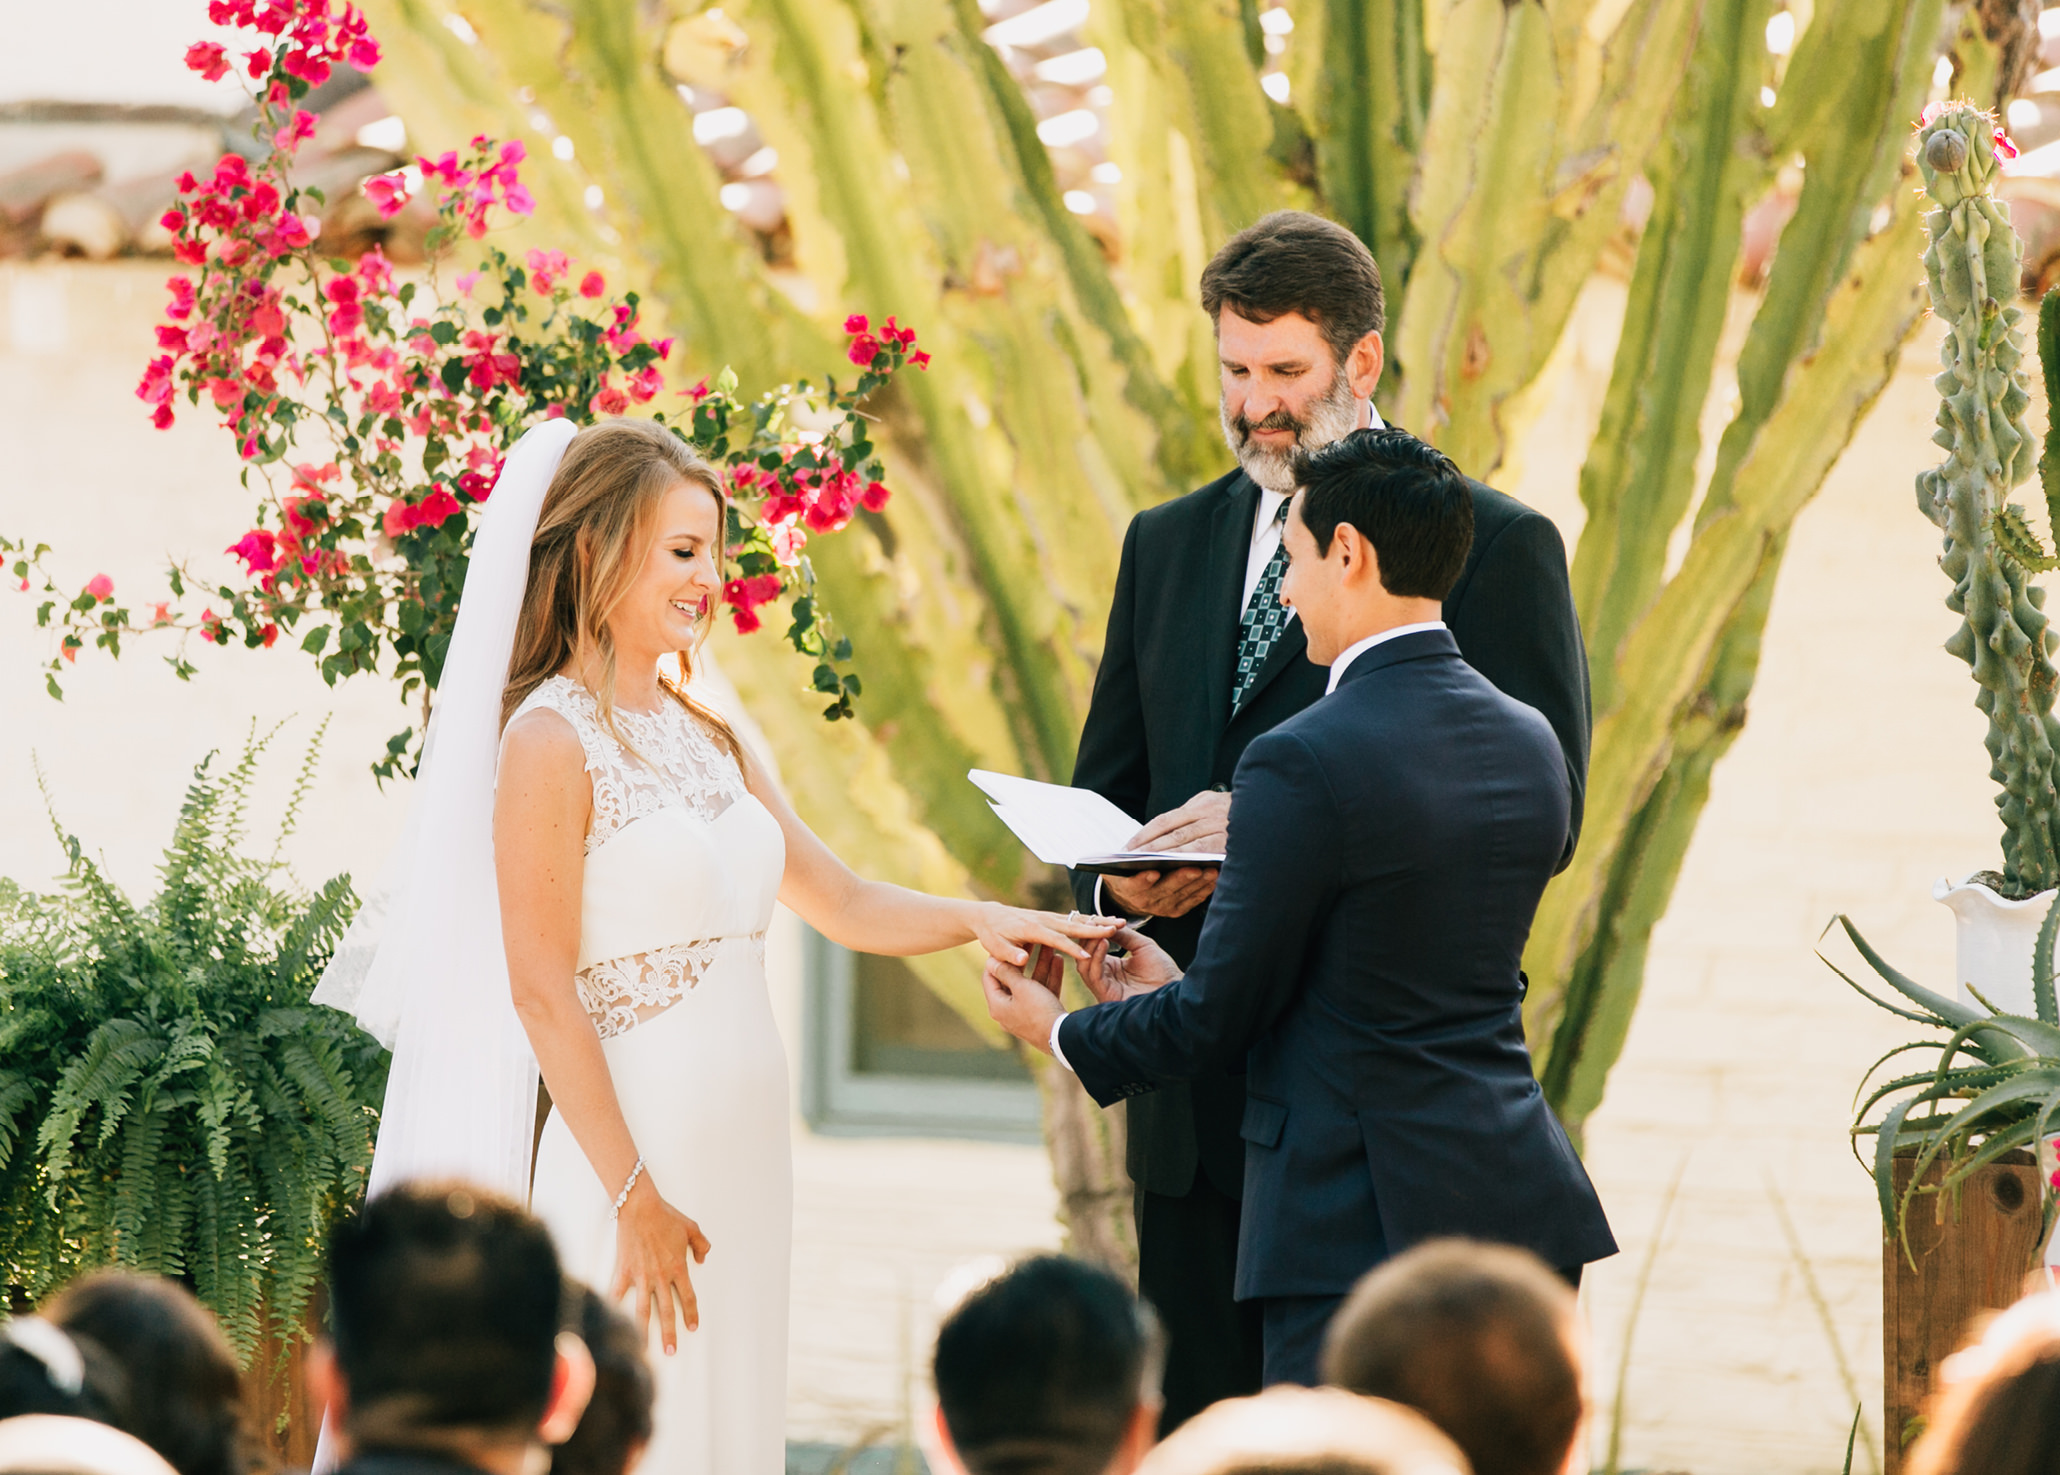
(615, 1209)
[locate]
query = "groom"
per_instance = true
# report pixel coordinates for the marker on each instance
(1387, 849)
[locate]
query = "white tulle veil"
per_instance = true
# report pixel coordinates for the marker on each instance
(422, 966)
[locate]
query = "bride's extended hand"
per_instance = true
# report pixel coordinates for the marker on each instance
(652, 1243)
(1008, 933)
(1146, 967)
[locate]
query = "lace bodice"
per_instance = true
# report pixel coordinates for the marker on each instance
(665, 758)
(675, 881)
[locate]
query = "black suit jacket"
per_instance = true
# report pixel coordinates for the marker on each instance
(1388, 847)
(1159, 728)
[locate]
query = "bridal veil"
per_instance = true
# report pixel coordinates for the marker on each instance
(422, 966)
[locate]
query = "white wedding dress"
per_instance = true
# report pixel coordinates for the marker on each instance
(682, 869)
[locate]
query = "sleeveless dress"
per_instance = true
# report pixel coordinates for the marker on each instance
(682, 869)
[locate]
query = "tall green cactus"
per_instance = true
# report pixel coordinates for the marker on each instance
(1483, 148)
(1972, 265)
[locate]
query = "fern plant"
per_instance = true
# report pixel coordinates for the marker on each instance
(1992, 1085)
(170, 1100)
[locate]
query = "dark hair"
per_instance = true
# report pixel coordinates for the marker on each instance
(1041, 1370)
(1474, 1336)
(1292, 261)
(1404, 497)
(617, 1420)
(445, 1302)
(2003, 1416)
(185, 1391)
(35, 1379)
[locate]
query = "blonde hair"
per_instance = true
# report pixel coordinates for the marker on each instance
(598, 521)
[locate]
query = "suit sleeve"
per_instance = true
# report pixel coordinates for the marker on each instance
(1516, 625)
(1113, 759)
(1278, 881)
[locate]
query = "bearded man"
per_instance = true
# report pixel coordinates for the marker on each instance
(1201, 657)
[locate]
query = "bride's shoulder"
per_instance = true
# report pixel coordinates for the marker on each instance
(542, 738)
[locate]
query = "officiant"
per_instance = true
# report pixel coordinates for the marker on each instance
(1201, 657)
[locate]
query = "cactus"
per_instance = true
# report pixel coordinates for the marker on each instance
(1990, 554)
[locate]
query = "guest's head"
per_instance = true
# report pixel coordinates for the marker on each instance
(446, 1307)
(1376, 538)
(1997, 1411)
(1305, 1431)
(1481, 1338)
(626, 564)
(185, 1392)
(1296, 303)
(1051, 1368)
(616, 1426)
(58, 1444)
(47, 1370)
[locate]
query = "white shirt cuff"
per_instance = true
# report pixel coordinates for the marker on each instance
(1056, 1053)
(1098, 896)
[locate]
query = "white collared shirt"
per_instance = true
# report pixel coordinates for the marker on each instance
(1266, 531)
(1358, 648)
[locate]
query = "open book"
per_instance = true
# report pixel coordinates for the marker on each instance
(1077, 828)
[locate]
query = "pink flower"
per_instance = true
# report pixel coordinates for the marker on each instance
(445, 167)
(257, 62)
(160, 614)
(435, 508)
(645, 384)
(874, 497)
(920, 359)
(172, 221)
(161, 417)
(546, 267)
(745, 595)
(259, 550)
(467, 280)
(864, 349)
(181, 288)
(156, 388)
(363, 53)
(855, 324)
(787, 543)
(2004, 147)
(593, 284)
(513, 153)
(298, 130)
(518, 199)
(208, 59)
(100, 586)
(609, 401)
(374, 271)
(388, 193)
(172, 338)
(400, 518)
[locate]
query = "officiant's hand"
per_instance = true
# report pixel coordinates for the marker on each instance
(1008, 933)
(653, 1241)
(1145, 967)
(1203, 823)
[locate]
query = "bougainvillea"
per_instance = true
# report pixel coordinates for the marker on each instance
(373, 409)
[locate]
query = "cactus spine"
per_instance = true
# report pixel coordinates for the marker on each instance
(1972, 264)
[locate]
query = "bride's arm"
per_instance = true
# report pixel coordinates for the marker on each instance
(541, 804)
(876, 917)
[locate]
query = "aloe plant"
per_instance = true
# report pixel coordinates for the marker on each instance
(1484, 150)
(1993, 1086)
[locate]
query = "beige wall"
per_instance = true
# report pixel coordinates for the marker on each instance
(1859, 779)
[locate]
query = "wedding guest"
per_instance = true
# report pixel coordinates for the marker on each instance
(185, 1391)
(1998, 1408)
(446, 1307)
(1480, 1338)
(616, 1426)
(1288, 1430)
(1202, 658)
(1051, 1368)
(46, 1370)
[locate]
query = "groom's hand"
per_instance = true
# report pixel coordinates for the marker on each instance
(1020, 1004)
(1144, 967)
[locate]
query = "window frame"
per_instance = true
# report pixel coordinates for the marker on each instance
(838, 1101)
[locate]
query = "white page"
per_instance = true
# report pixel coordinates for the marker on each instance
(1058, 823)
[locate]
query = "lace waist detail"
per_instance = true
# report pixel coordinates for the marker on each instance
(619, 994)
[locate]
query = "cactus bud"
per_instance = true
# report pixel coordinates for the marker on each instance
(1946, 151)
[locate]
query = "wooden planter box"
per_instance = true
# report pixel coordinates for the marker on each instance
(1972, 1256)
(273, 1395)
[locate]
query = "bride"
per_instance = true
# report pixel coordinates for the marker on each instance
(622, 857)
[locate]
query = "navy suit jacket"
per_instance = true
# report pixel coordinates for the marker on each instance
(1387, 850)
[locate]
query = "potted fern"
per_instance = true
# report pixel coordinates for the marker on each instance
(169, 1099)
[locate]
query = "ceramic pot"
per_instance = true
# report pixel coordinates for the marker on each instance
(1993, 941)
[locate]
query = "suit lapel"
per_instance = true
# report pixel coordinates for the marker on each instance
(1230, 545)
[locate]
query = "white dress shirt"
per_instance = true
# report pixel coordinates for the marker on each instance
(1358, 648)
(1266, 536)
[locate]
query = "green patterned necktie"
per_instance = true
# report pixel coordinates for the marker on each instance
(1263, 620)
